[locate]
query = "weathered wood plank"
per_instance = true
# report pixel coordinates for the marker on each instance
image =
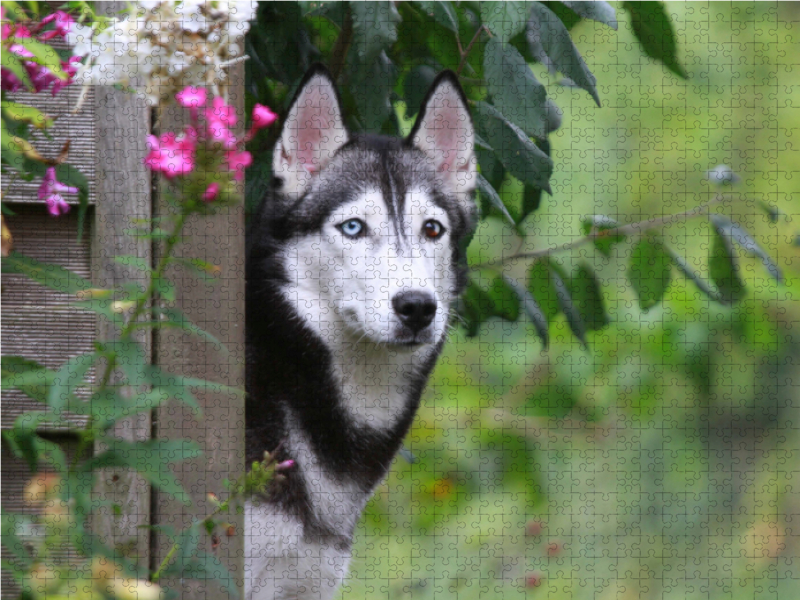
(219, 309)
(123, 192)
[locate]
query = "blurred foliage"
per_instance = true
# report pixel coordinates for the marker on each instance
(648, 451)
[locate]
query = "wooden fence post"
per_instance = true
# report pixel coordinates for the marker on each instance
(218, 308)
(123, 192)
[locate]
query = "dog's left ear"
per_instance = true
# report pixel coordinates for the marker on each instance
(445, 133)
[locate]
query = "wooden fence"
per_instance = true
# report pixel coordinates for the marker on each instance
(108, 145)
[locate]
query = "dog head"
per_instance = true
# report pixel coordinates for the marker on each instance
(372, 227)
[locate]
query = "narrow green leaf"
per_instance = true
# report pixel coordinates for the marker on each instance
(493, 198)
(27, 114)
(504, 19)
(567, 305)
(415, 86)
(26, 443)
(516, 93)
(551, 44)
(137, 262)
(588, 297)
(109, 407)
(653, 29)
(602, 12)
(738, 234)
(649, 271)
(68, 378)
(175, 318)
(531, 309)
(131, 358)
(28, 376)
(514, 149)
(773, 212)
(151, 459)
(164, 288)
(724, 271)
(600, 224)
(52, 276)
(688, 272)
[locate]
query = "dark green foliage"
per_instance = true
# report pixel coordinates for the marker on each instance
(649, 271)
(653, 29)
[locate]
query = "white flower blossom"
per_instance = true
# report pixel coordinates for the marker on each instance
(160, 47)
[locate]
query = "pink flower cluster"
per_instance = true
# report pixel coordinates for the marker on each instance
(50, 191)
(41, 77)
(174, 155)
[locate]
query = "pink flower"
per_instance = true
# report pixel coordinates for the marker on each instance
(263, 116)
(191, 97)
(211, 193)
(219, 132)
(63, 24)
(238, 161)
(170, 154)
(56, 205)
(50, 191)
(221, 112)
(285, 465)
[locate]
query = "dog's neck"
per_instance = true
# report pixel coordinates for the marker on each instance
(340, 408)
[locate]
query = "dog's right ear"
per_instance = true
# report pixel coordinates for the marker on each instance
(312, 132)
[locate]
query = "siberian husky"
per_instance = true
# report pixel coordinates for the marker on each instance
(354, 260)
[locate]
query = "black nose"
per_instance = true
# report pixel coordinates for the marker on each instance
(415, 309)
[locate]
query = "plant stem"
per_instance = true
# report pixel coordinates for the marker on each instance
(138, 309)
(631, 228)
(466, 51)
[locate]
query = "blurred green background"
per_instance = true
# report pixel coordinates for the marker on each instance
(662, 462)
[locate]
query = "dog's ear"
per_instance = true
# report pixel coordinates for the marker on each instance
(312, 132)
(445, 133)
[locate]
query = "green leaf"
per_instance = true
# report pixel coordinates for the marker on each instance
(164, 288)
(492, 197)
(130, 357)
(69, 377)
(738, 234)
(551, 44)
(443, 13)
(43, 55)
(649, 271)
(28, 376)
(505, 299)
(653, 29)
(374, 29)
(773, 212)
(108, 407)
(415, 86)
(372, 84)
(684, 268)
(172, 317)
(52, 276)
(600, 224)
(474, 307)
(516, 93)
(531, 200)
(27, 114)
(151, 459)
(602, 12)
(588, 297)
(531, 309)
(723, 269)
(541, 287)
(504, 19)
(517, 153)
(25, 443)
(567, 305)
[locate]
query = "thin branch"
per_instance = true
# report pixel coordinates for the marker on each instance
(466, 51)
(631, 228)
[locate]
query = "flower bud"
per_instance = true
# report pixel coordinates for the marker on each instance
(135, 589)
(534, 579)
(211, 193)
(263, 116)
(40, 488)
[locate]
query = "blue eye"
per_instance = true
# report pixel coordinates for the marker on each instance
(353, 228)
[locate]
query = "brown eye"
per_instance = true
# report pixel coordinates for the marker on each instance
(433, 229)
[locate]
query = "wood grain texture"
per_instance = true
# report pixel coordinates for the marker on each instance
(123, 192)
(219, 309)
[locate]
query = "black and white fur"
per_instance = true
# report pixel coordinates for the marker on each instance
(343, 331)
